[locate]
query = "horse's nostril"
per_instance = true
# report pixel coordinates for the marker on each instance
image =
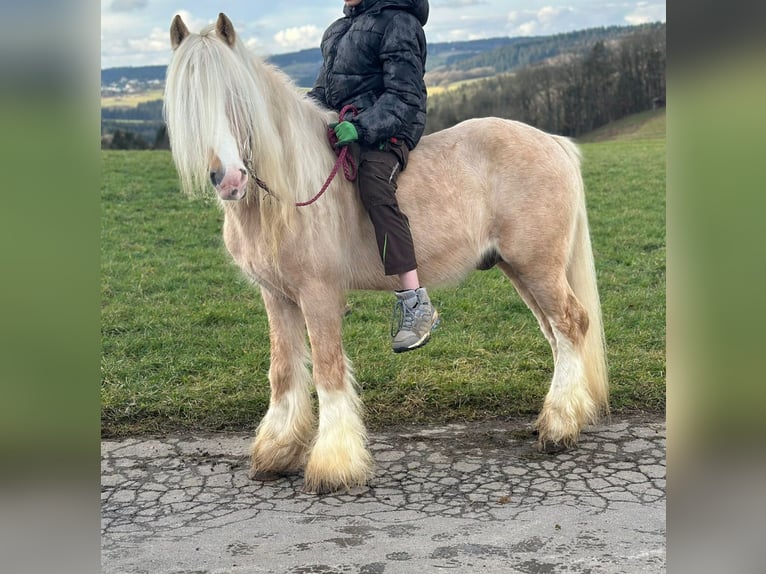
(216, 177)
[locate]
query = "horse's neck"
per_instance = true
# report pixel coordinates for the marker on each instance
(299, 127)
(284, 104)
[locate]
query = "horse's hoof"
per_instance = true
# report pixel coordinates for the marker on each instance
(548, 447)
(321, 491)
(265, 475)
(325, 488)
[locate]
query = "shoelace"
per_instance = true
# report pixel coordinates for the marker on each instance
(403, 316)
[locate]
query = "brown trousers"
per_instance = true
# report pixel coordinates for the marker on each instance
(378, 170)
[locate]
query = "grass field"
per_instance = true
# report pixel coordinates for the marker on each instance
(642, 126)
(185, 337)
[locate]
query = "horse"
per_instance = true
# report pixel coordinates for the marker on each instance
(485, 192)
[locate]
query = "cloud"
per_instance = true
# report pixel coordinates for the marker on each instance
(299, 37)
(459, 35)
(645, 12)
(539, 22)
(150, 47)
(256, 46)
(285, 27)
(548, 14)
(527, 29)
(158, 41)
(127, 5)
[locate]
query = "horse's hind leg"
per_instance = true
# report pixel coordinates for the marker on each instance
(568, 405)
(531, 302)
(286, 431)
(339, 458)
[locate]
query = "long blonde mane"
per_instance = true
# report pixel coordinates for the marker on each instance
(210, 84)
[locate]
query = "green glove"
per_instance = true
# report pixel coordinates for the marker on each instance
(346, 133)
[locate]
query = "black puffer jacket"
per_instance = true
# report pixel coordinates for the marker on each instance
(374, 59)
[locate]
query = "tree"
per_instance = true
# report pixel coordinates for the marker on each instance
(161, 140)
(127, 140)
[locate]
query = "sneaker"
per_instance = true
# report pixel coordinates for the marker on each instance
(415, 318)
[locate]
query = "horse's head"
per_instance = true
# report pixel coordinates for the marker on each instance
(206, 108)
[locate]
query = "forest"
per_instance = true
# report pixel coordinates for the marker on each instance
(568, 95)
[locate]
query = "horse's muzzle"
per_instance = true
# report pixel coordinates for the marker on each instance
(230, 185)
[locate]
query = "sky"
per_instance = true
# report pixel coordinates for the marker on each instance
(135, 32)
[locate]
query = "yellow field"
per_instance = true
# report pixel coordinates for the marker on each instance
(435, 90)
(130, 100)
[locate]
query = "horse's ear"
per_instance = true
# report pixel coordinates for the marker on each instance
(225, 30)
(178, 31)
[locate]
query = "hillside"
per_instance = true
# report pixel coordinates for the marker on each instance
(447, 61)
(302, 66)
(527, 51)
(642, 126)
(568, 83)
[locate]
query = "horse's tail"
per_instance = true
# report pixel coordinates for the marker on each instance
(581, 274)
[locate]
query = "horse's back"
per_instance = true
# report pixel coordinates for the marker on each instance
(489, 130)
(487, 147)
(490, 162)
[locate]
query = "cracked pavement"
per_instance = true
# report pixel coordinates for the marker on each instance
(474, 497)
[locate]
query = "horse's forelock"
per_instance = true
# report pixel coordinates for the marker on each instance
(204, 71)
(210, 82)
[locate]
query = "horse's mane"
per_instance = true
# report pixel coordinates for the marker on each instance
(208, 83)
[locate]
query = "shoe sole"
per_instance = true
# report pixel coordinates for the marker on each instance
(422, 342)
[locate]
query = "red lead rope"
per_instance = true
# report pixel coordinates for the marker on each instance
(345, 160)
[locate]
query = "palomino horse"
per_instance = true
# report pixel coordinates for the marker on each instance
(484, 192)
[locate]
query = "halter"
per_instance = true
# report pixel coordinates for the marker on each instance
(344, 160)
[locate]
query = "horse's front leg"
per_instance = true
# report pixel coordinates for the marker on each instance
(285, 433)
(339, 459)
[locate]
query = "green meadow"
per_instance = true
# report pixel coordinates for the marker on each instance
(185, 337)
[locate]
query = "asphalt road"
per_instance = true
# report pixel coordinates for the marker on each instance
(467, 498)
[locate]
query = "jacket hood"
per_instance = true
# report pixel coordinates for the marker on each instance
(418, 8)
